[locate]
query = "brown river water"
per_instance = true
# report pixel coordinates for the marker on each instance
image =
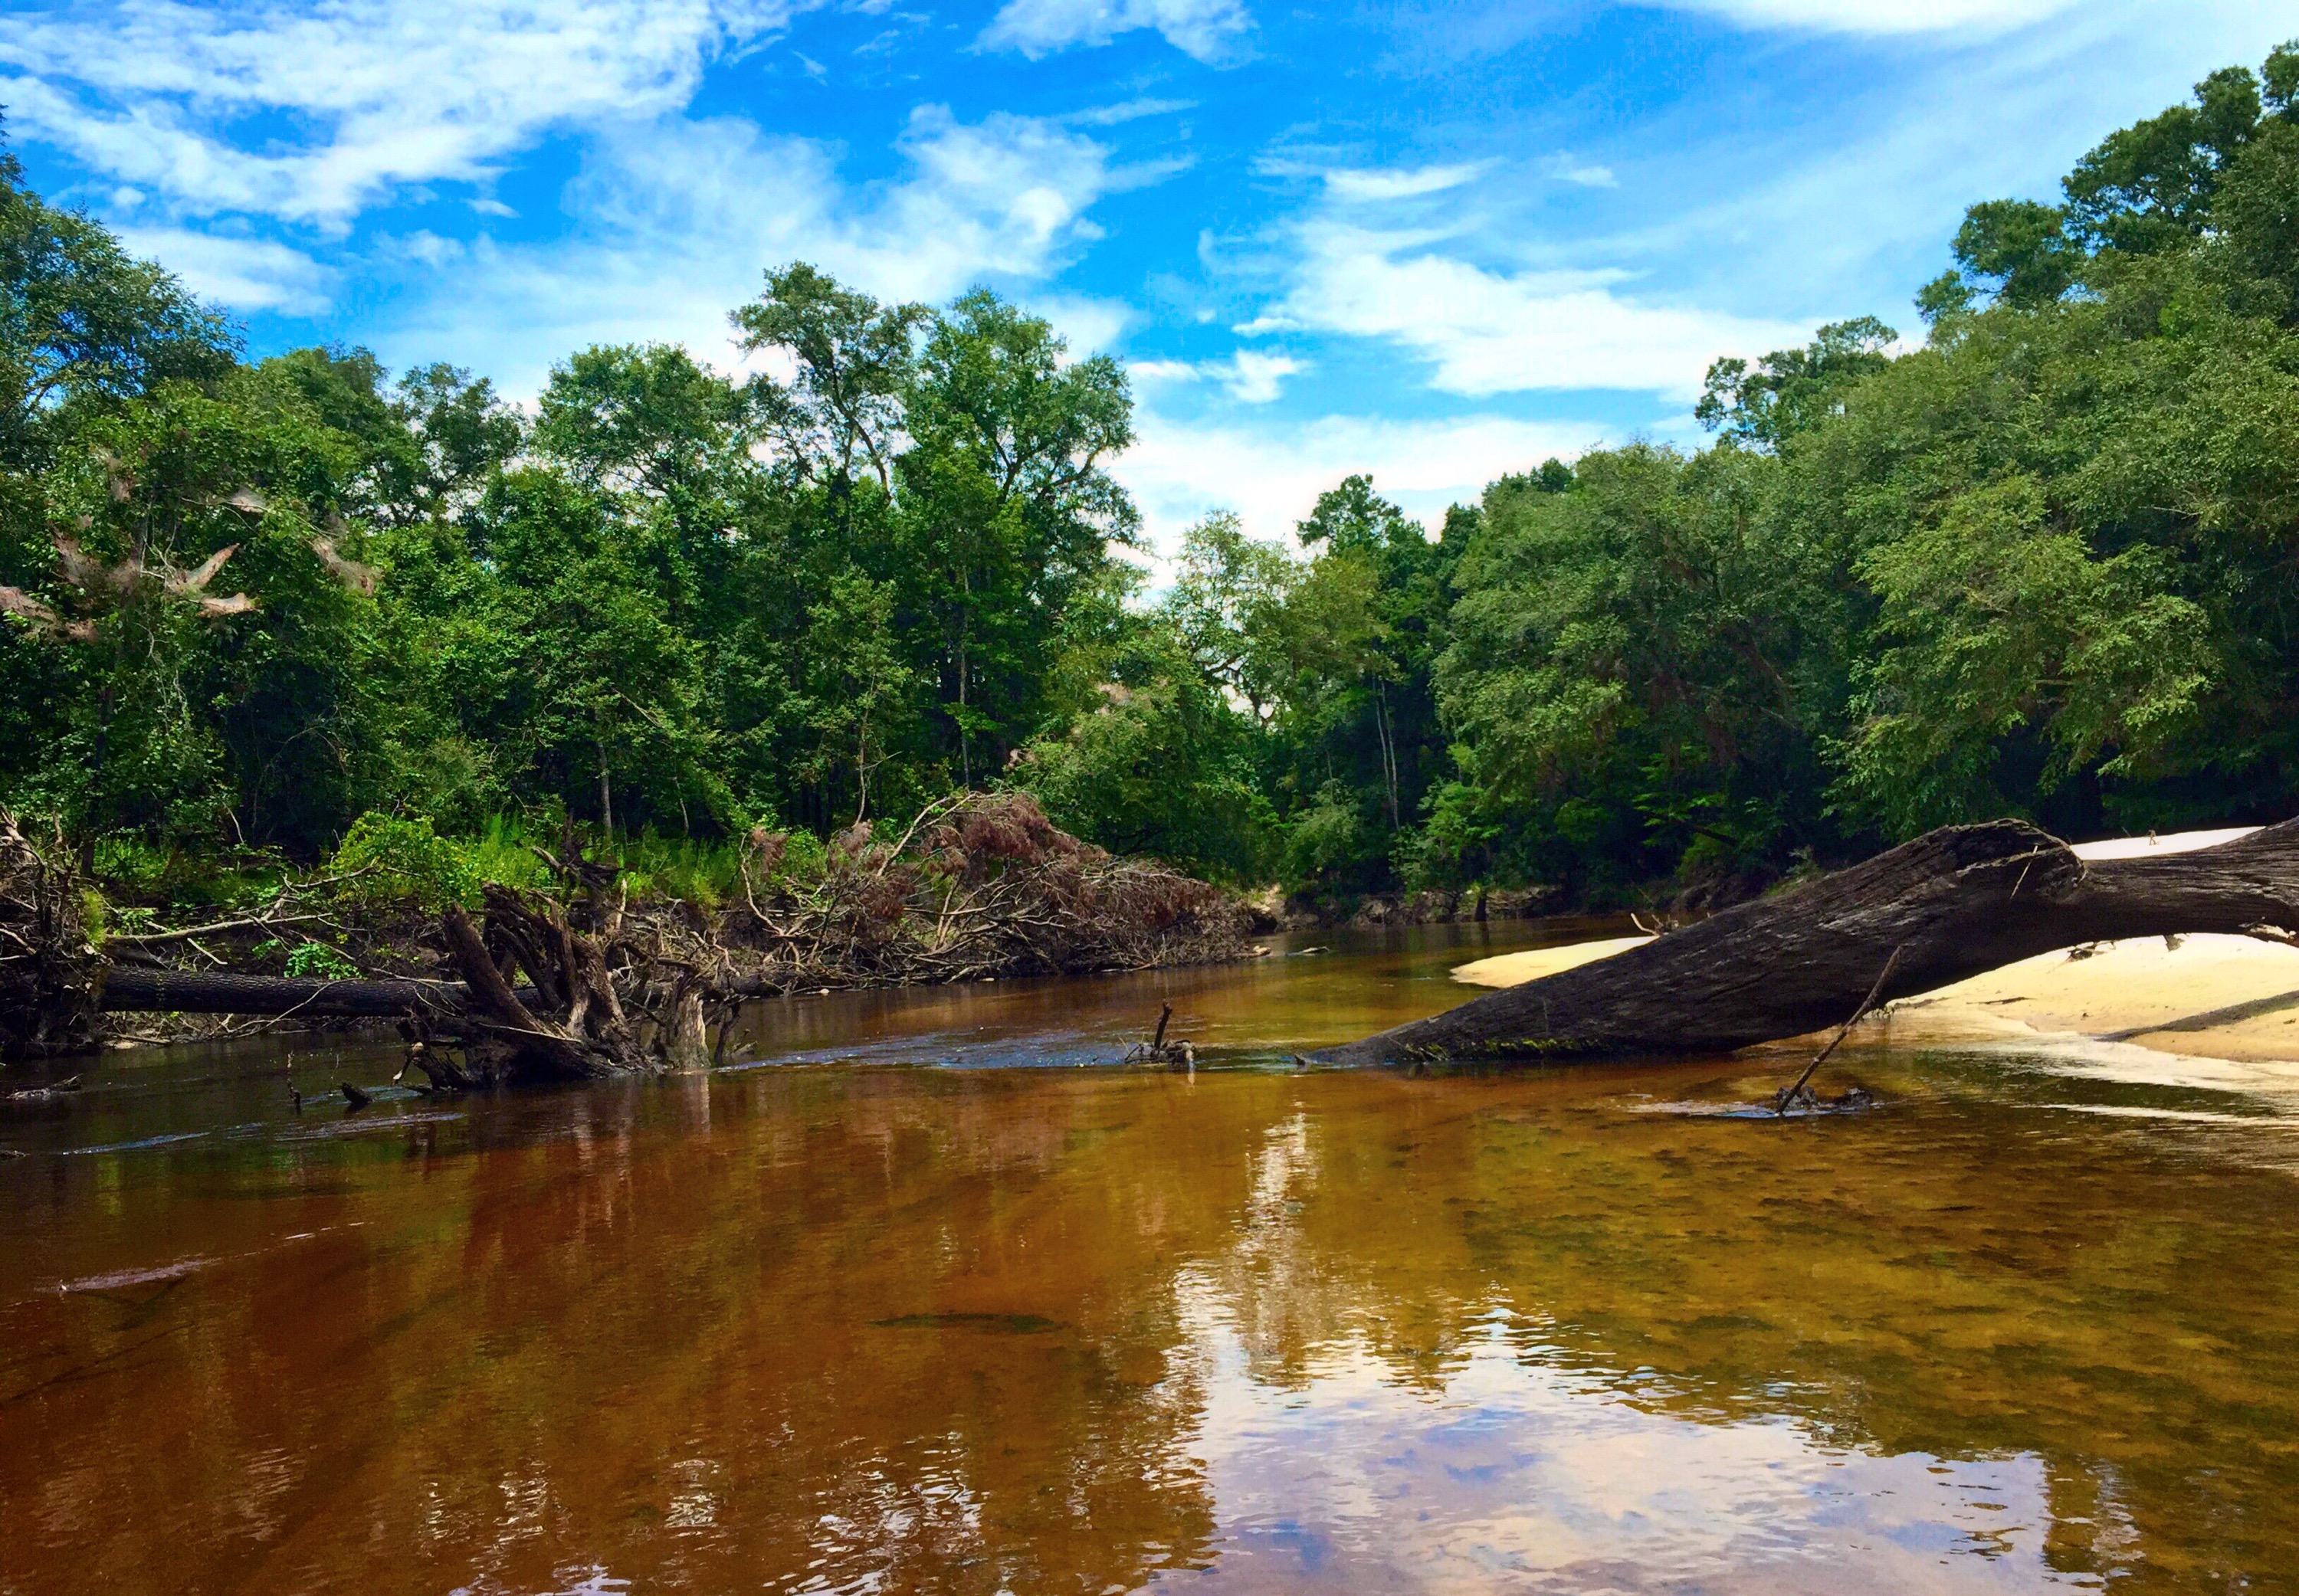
(938, 1309)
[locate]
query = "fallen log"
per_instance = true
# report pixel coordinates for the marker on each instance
(1953, 903)
(130, 989)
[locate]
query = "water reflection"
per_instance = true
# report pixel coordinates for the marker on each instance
(818, 1329)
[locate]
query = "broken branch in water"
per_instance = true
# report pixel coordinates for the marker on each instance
(1157, 1050)
(585, 981)
(1799, 1092)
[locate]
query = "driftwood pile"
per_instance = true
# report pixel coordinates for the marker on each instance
(47, 968)
(979, 885)
(582, 983)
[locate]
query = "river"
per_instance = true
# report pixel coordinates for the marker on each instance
(919, 1292)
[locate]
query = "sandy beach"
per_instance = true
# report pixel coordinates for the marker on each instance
(2208, 996)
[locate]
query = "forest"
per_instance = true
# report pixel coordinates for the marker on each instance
(270, 613)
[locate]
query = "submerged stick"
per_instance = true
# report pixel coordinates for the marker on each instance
(1788, 1094)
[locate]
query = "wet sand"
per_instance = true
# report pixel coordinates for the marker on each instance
(2210, 996)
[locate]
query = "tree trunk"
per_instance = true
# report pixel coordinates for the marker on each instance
(583, 1036)
(130, 990)
(606, 797)
(1953, 902)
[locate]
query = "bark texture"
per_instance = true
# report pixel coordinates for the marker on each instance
(132, 990)
(1953, 902)
(580, 1033)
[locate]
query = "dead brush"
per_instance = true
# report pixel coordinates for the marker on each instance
(981, 884)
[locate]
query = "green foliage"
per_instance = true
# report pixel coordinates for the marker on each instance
(1792, 391)
(1998, 626)
(83, 323)
(318, 961)
(1627, 668)
(128, 861)
(391, 858)
(703, 872)
(1163, 769)
(1327, 838)
(295, 609)
(1228, 609)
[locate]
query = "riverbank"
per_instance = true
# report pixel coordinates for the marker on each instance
(977, 887)
(2208, 996)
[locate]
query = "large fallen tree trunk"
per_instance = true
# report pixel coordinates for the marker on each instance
(1952, 904)
(132, 989)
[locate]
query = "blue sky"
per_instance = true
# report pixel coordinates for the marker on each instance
(1435, 240)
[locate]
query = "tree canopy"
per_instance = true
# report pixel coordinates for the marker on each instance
(2040, 563)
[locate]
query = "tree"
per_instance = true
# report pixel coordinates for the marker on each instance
(1792, 391)
(82, 320)
(855, 360)
(1363, 638)
(1150, 757)
(1007, 509)
(1622, 678)
(859, 690)
(1228, 597)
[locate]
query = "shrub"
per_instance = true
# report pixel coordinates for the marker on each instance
(399, 858)
(318, 959)
(127, 860)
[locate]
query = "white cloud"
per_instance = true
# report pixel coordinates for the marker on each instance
(1089, 326)
(1586, 174)
(384, 93)
(1251, 378)
(1208, 29)
(1129, 111)
(1878, 16)
(242, 273)
(1488, 332)
(425, 245)
(1271, 475)
(677, 221)
(1403, 183)
(1248, 377)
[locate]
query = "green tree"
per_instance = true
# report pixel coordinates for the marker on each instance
(1792, 391)
(1227, 607)
(1007, 512)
